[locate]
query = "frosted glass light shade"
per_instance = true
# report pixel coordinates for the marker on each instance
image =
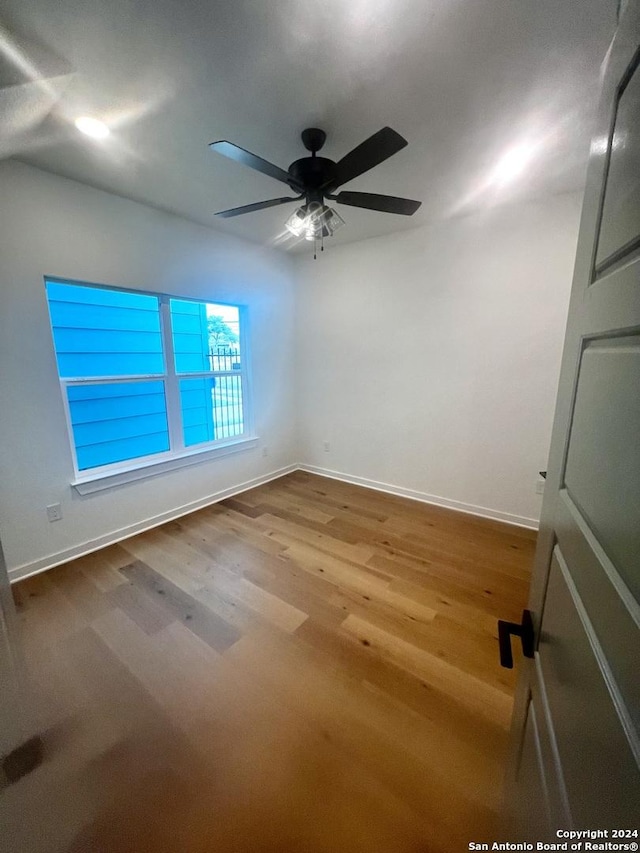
(313, 221)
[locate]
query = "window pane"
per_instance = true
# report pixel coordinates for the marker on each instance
(197, 410)
(228, 417)
(100, 332)
(211, 408)
(116, 421)
(206, 336)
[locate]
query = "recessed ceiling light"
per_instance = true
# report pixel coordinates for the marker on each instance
(92, 127)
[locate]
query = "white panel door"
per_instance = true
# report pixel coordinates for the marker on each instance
(576, 727)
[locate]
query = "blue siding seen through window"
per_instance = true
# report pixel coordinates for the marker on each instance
(100, 332)
(197, 410)
(113, 422)
(190, 336)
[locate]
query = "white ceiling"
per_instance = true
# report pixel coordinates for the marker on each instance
(462, 80)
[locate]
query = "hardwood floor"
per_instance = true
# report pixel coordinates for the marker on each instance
(310, 666)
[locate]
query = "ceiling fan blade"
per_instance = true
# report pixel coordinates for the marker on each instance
(258, 205)
(234, 152)
(373, 201)
(374, 150)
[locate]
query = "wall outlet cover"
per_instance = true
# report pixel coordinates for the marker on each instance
(54, 512)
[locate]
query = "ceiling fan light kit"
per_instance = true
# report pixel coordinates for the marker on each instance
(314, 221)
(316, 179)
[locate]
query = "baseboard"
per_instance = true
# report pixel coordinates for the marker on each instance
(41, 565)
(423, 497)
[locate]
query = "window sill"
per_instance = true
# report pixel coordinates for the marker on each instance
(107, 480)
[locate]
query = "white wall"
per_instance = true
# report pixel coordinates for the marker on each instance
(53, 226)
(430, 358)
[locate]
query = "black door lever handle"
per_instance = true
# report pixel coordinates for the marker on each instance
(524, 630)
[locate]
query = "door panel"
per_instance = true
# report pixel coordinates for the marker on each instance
(603, 473)
(613, 613)
(620, 226)
(586, 724)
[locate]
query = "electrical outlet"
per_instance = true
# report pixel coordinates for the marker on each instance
(326, 446)
(539, 486)
(265, 451)
(54, 512)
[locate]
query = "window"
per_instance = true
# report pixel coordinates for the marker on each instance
(146, 378)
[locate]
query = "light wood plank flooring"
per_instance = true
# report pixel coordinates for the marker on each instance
(310, 666)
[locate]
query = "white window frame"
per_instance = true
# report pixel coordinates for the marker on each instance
(89, 480)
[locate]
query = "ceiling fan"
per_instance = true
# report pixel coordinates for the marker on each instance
(317, 178)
